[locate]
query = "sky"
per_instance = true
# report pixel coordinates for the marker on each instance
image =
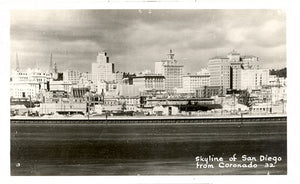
(135, 39)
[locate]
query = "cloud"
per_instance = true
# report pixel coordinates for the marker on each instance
(136, 39)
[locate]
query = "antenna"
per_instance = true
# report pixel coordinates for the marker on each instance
(17, 63)
(51, 63)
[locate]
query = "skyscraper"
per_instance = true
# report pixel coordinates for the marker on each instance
(172, 70)
(219, 69)
(226, 71)
(102, 70)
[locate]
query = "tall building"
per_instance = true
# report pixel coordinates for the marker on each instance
(172, 70)
(226, 71)
(102, 70)
(219, 69)
(72, 76)
(235, 69)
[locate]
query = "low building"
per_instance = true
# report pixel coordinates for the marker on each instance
(122, 103)
(28, 84)
(193, 82)
(270, 94)
(22, 89)
(165, 110)
(78, 91)
(254, 78)
(128, 90)
(176, 101)
(60, 86)
(18, 109)
(149, 82)
(261, 108)
(209, 91)
(63, 107)
(275, 81)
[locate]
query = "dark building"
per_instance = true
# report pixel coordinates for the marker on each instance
(209, 91)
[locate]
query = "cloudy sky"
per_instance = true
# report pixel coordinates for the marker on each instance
(135, 39)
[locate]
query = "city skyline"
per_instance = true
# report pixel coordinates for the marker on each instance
(131, 36)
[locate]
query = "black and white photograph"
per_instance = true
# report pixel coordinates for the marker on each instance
(148, 92)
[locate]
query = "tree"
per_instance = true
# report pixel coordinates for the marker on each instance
(123, 108)
(245, 98)
(279, 73)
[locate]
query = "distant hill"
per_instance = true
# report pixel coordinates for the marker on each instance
(279, 73)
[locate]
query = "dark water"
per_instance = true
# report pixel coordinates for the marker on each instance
(147, 149)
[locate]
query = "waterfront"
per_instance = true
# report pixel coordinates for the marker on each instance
(141, 149)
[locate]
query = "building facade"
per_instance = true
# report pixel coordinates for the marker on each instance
(29, 83)
(219, 69)
(254, 78)
(149, 82)
(72, 76)
(102, 70)
(209, 91)
(227, 71)
(192, 82)
(60, 86)
(172, 70)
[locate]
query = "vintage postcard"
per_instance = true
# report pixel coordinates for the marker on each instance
(148, 92)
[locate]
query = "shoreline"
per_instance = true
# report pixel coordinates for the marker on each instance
(152, 117)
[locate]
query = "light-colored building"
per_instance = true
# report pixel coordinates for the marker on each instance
(102, 70)
(31, 75)
(192, 82)
(203, 71)
(72, 76)
(176, 101)
(172, 70)
(279, 94)
(121, 103)
(24, 89)
(29, 83)
(266, 108)
(270, 94)
(86, 81)
(107, 88)
(60, 86)
(165, 110)
(226, 71)
(254, 78)
(277, 81)
(149, 82)
(63, 106)
(118, 77)
(128, 90)
(219, 69)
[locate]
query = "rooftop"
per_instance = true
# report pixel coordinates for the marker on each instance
(219, 57)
